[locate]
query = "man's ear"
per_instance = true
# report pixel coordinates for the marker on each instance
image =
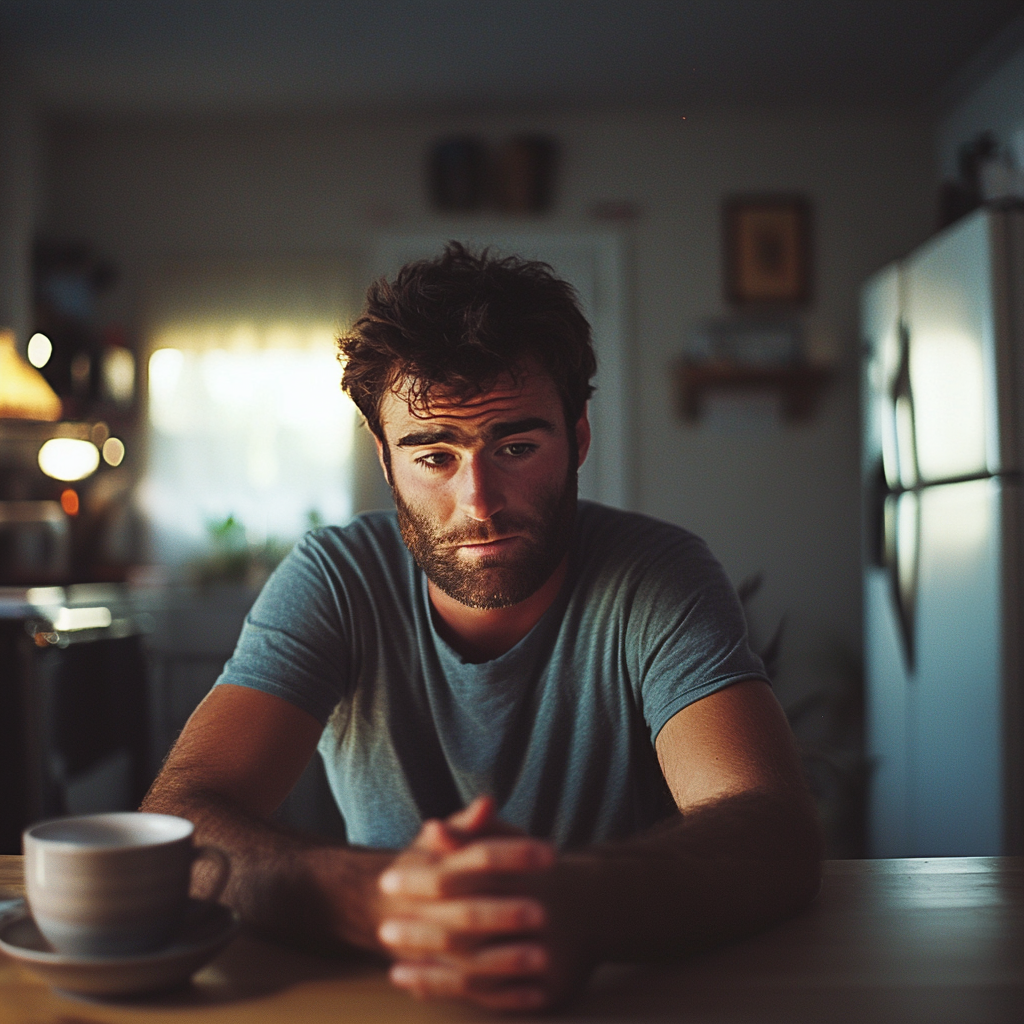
(582, 437)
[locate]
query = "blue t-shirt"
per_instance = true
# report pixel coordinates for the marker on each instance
(560, 729)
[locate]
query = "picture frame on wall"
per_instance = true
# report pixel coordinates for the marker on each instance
(767, 250)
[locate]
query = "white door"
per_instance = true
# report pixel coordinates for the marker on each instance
(956, 691)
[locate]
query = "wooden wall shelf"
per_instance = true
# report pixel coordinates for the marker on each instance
(799, 386)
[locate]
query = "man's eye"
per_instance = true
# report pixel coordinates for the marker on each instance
(517, 449)
(435, 460)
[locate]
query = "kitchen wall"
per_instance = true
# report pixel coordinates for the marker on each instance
(994, 102)
(17, 201)
(771, 497)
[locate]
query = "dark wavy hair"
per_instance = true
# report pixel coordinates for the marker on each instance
(453, 325)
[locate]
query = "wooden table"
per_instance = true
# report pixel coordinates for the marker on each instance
(887, 941)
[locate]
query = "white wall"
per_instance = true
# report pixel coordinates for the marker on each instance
(17, 197)
(784, 499)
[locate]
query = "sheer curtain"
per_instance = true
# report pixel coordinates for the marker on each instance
(248, 432)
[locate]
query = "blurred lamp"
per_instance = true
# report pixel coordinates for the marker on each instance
(39, 350)
(66, 458)
(113, 451)
(24, 393)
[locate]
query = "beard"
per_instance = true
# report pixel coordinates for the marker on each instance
(495, 581)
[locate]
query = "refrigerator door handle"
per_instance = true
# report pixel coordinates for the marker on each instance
(902, 470)
(901, 545)
(875, 493)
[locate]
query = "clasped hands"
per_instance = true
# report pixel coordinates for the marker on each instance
(470, 911)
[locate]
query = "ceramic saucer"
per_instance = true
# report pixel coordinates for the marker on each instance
(208, 927)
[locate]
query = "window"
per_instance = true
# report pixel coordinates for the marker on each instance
(246, 419)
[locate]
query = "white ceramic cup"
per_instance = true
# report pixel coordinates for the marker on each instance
(111, 884)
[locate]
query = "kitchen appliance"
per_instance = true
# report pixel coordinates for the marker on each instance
(74, 704)
(944, 412)
(34, 541)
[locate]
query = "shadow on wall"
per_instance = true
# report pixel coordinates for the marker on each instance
(828, 724)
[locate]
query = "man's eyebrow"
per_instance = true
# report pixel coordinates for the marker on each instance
(451, 435)
(439, 436)
(524, 426)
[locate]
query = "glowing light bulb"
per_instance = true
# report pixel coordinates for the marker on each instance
(65, 458)
(69, 501)
(113, 451)
(39, 350)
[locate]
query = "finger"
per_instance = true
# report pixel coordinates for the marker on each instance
(512, 853)
(474, 816)
(410, 879)
(489, 964)
(484, 915)
(510, 960)
(459, 925)
(456, 830)
(467, 869)
(447, 981)
(436, 837)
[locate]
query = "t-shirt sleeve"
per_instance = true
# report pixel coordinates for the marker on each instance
(294, 643)
(688, 631)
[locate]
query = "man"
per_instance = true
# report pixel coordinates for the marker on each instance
(542, 723)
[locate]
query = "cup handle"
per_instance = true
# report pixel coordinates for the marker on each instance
(220, 858)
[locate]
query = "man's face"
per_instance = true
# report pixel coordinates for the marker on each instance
(486, 488)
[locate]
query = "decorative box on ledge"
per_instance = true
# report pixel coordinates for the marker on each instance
(744, 354)
(798, 385)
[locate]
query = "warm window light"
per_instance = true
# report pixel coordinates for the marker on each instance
(69, 501)
(113, 451)
(245, 419)
(65, 458)
(39, 350)
(165, 366)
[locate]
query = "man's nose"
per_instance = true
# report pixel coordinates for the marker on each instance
(480, 493)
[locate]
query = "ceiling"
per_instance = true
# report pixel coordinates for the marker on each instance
(150, 55)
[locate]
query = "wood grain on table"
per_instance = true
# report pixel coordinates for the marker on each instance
(907, 941)
(12, 882)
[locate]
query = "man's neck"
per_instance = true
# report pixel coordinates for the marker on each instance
(480, 634)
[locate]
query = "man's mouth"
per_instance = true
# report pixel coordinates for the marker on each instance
(481, 549)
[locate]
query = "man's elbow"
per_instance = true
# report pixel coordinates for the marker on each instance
(176, 791)
(801, 848)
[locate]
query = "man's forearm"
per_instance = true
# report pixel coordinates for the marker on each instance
(720, 871)
(282, 882)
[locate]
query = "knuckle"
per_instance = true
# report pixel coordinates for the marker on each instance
(531, 914)
(470, 916)
(488, 857)
(533, 958)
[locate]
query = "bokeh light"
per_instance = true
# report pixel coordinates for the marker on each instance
(113, 451)
(66, 458)
(39, 350)
(69, 501)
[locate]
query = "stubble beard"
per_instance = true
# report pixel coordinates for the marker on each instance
(496, 581)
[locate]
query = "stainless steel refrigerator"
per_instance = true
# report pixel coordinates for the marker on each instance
(943, 405)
